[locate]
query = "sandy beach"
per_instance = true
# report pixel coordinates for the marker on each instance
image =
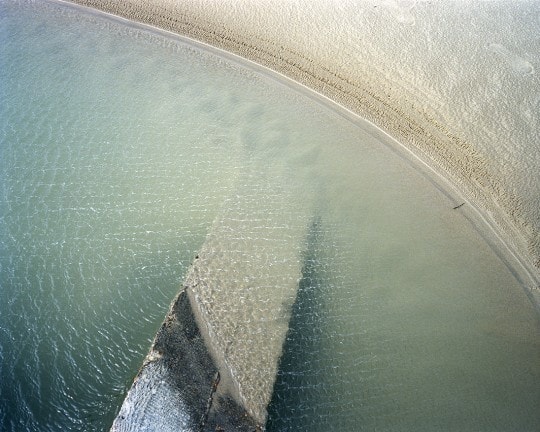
(419, 93)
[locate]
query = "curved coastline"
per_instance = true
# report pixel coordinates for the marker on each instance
(378, 100)
(437, 147)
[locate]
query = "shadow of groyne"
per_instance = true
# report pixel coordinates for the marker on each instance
(291, 398)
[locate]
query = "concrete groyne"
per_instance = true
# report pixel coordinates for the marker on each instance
(179, 386)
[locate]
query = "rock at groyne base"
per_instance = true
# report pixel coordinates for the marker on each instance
(177, 388)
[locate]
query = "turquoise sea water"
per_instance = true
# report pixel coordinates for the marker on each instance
(119, 151)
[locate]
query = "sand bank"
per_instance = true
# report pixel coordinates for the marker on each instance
(431, 76)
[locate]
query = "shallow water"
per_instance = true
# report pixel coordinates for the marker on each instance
(124, 154)
(405, 319)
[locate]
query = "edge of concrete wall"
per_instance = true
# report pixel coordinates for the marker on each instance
(178, 385)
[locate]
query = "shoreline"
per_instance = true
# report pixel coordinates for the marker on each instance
(421, 248)
(434, 147)
(450, 164)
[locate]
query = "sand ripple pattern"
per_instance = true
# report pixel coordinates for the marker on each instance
(402, 11)
(517, 64)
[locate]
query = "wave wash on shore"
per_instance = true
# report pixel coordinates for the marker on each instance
(455, 85)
